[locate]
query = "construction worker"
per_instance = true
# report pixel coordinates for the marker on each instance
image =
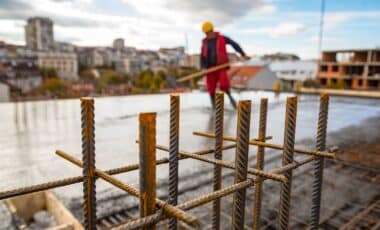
(214, 53)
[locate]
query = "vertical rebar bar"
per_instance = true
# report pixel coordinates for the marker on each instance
(319, 162)
(88, 157)
(219, 117)
(287, 158)
(173, 155)
(260, 162)
(147, 161)
(241, 162)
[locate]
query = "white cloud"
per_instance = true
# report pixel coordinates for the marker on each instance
(153, 23)
(335, 19)
(282, 29)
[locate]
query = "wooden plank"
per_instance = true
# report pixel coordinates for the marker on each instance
(60, 212)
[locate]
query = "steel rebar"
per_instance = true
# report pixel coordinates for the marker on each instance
(77, 179)
(88, 155)
(217, 179)
(169, 209)
(147, 160)
(319, 162)
(260, 162)
(241, 162)
(204, 199)
(173, 155)
(287, 158)
(227, 164)
(270, 145)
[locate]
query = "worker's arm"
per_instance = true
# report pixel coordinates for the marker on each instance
(234, 45)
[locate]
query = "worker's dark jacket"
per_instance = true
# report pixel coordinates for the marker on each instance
(214, 50)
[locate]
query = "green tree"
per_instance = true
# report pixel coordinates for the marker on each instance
(111, 77)
(48, 72)
(52, 87)
(87, 75)
(144, 79)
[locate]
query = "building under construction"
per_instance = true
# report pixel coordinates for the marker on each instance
(351, 69)
(274, 186)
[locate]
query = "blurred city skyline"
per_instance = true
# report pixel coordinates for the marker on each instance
(260, 26)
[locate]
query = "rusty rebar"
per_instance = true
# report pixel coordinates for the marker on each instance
(140, 223)
(260, 162)
(217, 180)
(198, 201)
(88, 155)
(287, 158)
(319, 162)
(270, 145)
(173, 155)
(227, 164)
(241, 162)
(204, 199)
(147, 160)
(168, 209)
(77, 179)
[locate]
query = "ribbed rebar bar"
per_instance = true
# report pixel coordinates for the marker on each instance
(147, 161)
(287, 158)
(168, 208)
(241, 162)
(204, 199)
(227, 164)
(77, 179)
(319, 162)
(260, 162)
(88, 158)
(140, 223)
(270, 145)
(217, 180)
(173, 155)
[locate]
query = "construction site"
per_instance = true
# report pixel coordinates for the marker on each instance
(281, 161)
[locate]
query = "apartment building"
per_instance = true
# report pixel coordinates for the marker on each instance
(118, 43)
(66, 64)
(351, 69)
(39, 34)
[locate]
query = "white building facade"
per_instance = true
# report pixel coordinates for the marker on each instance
(66, 64)
(297, 70)
(4, 92)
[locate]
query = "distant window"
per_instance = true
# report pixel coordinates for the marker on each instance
(302, 72)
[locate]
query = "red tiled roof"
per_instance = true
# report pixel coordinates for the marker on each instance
(240, 75)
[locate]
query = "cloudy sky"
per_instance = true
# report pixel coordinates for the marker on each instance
(260, 26)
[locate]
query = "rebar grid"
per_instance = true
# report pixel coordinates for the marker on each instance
(170, 209)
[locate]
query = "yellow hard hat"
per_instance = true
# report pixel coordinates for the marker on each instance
(207, 27)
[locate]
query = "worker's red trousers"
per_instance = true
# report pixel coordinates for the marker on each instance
(214, 77)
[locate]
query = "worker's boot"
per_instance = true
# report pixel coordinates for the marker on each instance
(212, 98)
(232, 100)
